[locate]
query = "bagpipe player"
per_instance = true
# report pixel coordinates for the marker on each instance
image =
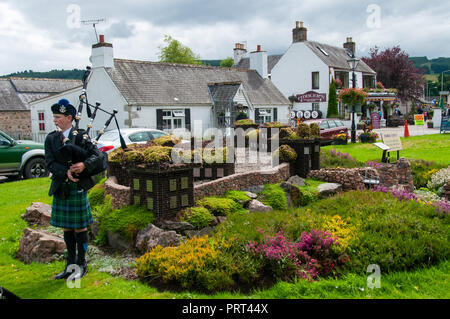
(71, 180)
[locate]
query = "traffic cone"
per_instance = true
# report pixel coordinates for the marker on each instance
(406, 134)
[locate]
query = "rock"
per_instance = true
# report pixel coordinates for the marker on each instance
(329, 189)
(296, 180)
(257, 206)
(152, 236)
(199, 233)
(221, 219)
(38, 214)
(94, 229)
(251, 195)
(116, 241)
(254, 189)
(176, 226)
(39, 246)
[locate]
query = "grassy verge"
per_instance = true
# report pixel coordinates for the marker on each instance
(434, 147)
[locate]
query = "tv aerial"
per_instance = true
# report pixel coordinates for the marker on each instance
(93, 22)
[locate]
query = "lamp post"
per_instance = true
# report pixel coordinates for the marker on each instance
(353, 63)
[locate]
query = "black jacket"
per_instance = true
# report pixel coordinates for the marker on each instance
(58, 165)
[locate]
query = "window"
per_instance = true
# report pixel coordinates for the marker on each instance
(339, 123)
(315, 106)
(368, 81)
(265, 115)
(41, 121)
(331, 124)
(173, 119)
(139, 137)
(324, 125)
(157, 134)
(344, 77)
(315, 80)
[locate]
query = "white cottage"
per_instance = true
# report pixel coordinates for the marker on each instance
(172, 96)
(306, 68)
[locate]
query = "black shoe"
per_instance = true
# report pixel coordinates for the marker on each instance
(83, 271)
(63, 274)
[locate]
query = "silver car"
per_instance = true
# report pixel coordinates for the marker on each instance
(110, 140)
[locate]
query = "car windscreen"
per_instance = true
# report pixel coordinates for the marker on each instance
(109, 136)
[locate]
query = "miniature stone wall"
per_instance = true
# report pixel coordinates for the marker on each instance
(241, 181)
(389, 175)
(121, 195)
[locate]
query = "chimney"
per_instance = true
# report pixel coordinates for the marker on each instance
(102, 54)
(239, 52)
(299, 32)
(258, 62)
(350, 45)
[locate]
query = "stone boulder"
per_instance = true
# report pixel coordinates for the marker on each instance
(152, 236)
(251, 195)
(39, 246)
(329, 189)
(293, 194)
(38, 214)
(257, 206)
(179, 227)
(118, 242)
(296, 180)
(207, 231)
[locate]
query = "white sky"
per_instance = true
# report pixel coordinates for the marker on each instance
(46, 34)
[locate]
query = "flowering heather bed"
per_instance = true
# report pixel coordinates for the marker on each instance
(313, 255)
(442, 205)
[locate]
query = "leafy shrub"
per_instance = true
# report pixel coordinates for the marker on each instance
(199, 217)
(307, 197)
(241, 116)
(289, 133)
(439, 178)
(244, 122)
(116, 155)
(167, 140)
(133, 157)
(303, 130)
(157, 154)
(238, 196)
(274, 196)
(97, 195)
(220, 206)
(334, 159)
(314, 129)
(285, 153)
(422, 171)
(127, 221)
(274, 124)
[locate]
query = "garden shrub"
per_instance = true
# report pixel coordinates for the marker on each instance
(220, 206)
(116, 155)
(303, 130)
(307, 197)
(422, 171)
(439, 178)
(275, 124)
(274, 196)
(238, 196)
(314, 129)
(199, 217)
(244, 122)
(285, 153)
(289, 133)
(96, 195)
(167, 140)
(333, 159)
(157, 154)
(127, 221)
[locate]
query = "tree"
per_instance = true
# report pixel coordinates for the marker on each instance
(395, 70)
(332, 101)
(227, 63)
(175, 52)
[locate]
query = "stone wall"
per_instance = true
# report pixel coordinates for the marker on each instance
(121, 195)
(349, 178)
(446, 191)
(241, 181)
(17, 123)
(398, 173)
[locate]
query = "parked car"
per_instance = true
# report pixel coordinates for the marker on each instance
(21, 158)
(110, 140)
(329, 128)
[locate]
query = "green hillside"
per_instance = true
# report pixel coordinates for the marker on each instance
(53, 74)
(433, 66)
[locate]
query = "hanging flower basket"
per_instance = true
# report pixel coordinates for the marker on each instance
(352, 96)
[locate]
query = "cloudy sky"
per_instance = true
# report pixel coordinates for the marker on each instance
(47, 34)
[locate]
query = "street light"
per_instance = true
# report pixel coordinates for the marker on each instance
(353, 63)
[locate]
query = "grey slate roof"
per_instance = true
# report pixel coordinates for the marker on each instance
(337, 58)
(271, 61)
(16, 92)
(9, 100)
(223, 92)
(154, 83)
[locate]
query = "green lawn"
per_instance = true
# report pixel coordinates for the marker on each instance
(35, 280)
(434, 147)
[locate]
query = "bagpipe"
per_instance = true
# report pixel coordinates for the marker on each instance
(76, 150)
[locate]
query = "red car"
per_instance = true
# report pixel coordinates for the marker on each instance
(329, 128)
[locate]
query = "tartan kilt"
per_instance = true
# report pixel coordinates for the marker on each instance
(73, 212)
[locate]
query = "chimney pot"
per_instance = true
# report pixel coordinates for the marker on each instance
(258, 47)
(102, 38)
(299, 33)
